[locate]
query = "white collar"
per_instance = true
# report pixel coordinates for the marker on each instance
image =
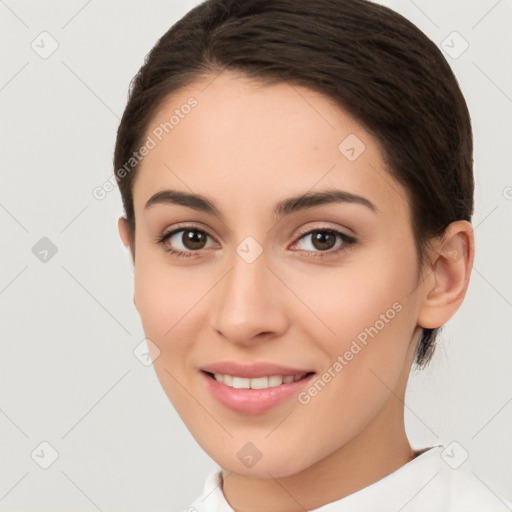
(424, 484)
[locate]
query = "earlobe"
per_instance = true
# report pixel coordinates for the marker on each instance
(446, 287)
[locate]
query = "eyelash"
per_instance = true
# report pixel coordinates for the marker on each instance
(348, 241)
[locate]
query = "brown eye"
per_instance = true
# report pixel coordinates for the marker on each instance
(185, 241)
(193, 239)
(323, 240)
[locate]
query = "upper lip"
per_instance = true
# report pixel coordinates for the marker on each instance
(252, 370)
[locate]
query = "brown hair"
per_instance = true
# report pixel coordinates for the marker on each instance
(377, 66)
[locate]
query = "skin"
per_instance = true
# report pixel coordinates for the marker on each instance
(247, 146)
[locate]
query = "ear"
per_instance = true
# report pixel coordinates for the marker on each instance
(126, 238)
(446, 281)
(124, 231)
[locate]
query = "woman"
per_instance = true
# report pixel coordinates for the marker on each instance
(298, 191)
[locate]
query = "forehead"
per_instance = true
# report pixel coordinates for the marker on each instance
(227, 133)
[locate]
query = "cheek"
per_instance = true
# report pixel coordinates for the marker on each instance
(173, 304)
(365, 318)
(167, 299)
(163, 296)
(348, 300)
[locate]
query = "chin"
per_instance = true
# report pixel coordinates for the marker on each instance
(272, 462)
(267, 469)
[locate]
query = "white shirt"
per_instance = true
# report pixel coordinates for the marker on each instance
(425, 484)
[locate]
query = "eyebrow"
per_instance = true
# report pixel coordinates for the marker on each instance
(283, 208)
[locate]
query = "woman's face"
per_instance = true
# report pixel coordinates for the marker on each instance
(325, 291)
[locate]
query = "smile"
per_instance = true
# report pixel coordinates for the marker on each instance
(257, 394)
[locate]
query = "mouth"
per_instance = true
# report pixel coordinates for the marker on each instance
(254, 395)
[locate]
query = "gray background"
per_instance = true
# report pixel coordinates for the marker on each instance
(68, 375)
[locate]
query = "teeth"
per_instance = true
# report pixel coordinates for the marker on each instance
(275, 380)
(259, 383)
(241, 383)
(256, 383)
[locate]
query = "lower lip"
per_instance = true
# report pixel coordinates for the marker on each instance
(253, 401)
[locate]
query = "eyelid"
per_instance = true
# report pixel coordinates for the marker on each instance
(168, 233)
(323, 227)
(182, 227)
(347, 242)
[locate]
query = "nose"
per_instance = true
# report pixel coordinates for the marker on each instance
(248, 303)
